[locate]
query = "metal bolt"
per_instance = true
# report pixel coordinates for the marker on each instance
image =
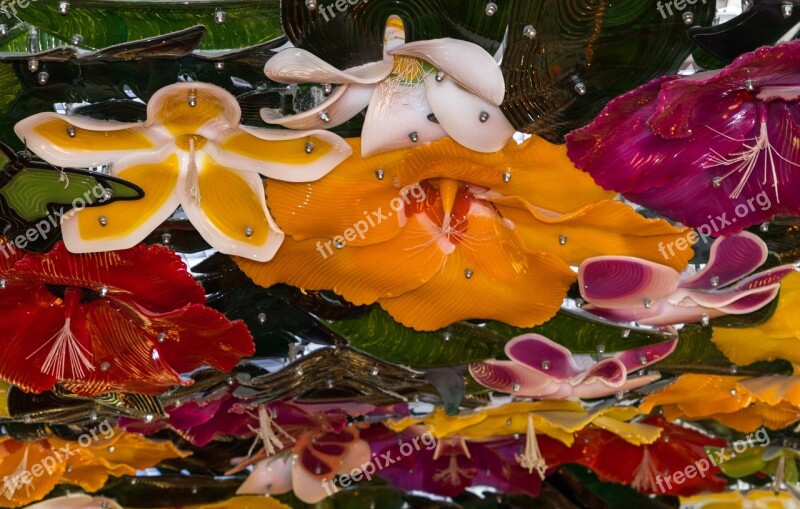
(379, 174)
(440, 76)
(506, 176)
(647, 303)
(76, 40)
(3, 284)
(468, 273)
(688, 17)
(103, 220)
(374, 371)
(338, 243)
(33, 65)
(63, 8)
(714, 281)
(642, 360)
(705, 320)
(413, 136)
(580, 88)
(111, 448)
(219, 16)
(529, 31)
(546, 365)
(491, 8)
(750, 85)
(71, 131)
(625, 333)
(515, 388)
(248, 231)
(219, 65)
(192, 99)
(162, 336)
(324, 117)
(600, 348)
(311, 4)
(104, 366)
(148, 418)
(786, 8)
(716, 181)
(562, 239)
(327, 88)
(262, 318)
(447, 336)
(3, 30)
(309, 147)
(43, 77)
(166, 238)
(103, 291)
(483, 117)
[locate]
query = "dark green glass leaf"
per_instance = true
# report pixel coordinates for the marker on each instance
(378, 334)
(352, 34)
(574, 58)
(179, 490)
(450, 384)
(782, 236)
(582, 485)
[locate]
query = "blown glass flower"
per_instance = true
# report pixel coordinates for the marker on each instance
(541, 368)
(456, 81)
(627, 289)
(191, 151)
(717, 150)
(128, 321)
(487, 233)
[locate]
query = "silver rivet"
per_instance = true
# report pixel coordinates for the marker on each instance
(580, 88)
(299, 371)
(63, 8)
(546, 365)
(107, 194)
(103, 220)
(192, 100)
(327, 88)
(746, 5)
(374, 371)
(71, 131)
(733, 369)
(379, 174)
(705, 320)
(311, 4)
(219, 16)
(508, 421)
(3, 284)
(579, 302)
(166, 238)
(309, 147)
(104, 366)
(133, 481)
(515, 388)
(324, 117)
(666, 439)
(491, 8)
(625, 333)
(619, 396)
(111, 448)
(338, 243)
(76, 40)
(148, 418)
(248, 231)
(646, 302)
(219, 65)
(103, 291)
(506, 176)
(262, 318)
(688, 17)
(329, 383)
(194, 490)
(529, 31)
(43, 77)
(642, 360)
(750, 85)
(716, 181)
(162, 336)
(447, 335)
(764, 227)
(796, 266)
(231, 380)
(33, 65)
(413, 136)
(786, 8)
(468, 273)
(562, 239)
(3, 30)
(483, 117)
(714, 281)
(600, 348)
(440, 76)
(733, 392)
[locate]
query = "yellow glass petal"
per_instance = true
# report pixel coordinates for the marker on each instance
(4, 388)
(489, 275)
(125, 217)
(604, 228)
(759, 414)
(777, 338)
(175, 111)
(536, 170)
(247, 502)
(87, 472)
(755, 499)
(773, 389)
(360, 274)
(230, 205)
(359, 189)
(85, 140)
(133, 450)
(280, 151)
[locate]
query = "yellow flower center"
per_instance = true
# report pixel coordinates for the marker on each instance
(183, 142)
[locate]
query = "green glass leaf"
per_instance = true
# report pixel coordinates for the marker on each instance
(103, 23)
(583, 333)
(379, 335)
(562, 70)
(738, 464)
(610, 495)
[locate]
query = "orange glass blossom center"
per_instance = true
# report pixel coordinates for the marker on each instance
(187, 142)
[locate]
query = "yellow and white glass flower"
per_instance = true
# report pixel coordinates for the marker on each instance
(190, 151)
